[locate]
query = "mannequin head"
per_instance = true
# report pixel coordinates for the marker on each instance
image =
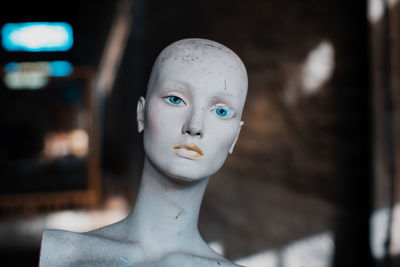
(193, 106)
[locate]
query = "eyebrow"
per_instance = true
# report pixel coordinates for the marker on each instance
(165, 87)
(226, 98)
(173, 83)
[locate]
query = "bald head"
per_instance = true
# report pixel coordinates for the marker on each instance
(188, 53)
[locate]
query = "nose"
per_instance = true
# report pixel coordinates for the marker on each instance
(193, 131)
(193, 126)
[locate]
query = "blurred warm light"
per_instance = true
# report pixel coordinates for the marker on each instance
(314, 251)
(79, 143)
(379, 229)
(37, 36)
(59, 144)
(318, 67)
(15, 67)
(392, 3)
(34, 75)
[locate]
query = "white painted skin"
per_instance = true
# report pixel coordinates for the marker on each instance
(204, 78)
(190, 121)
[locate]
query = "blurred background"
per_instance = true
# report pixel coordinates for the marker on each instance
(314, 180)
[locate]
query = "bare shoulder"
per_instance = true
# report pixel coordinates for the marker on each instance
(64, 238)
(64, 248)
(115, 231)
(54, 238)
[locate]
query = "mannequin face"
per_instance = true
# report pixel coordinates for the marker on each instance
(192, 111)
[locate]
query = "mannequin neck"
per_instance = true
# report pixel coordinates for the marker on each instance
(166, 212)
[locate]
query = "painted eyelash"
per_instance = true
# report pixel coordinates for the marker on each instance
(174, 100)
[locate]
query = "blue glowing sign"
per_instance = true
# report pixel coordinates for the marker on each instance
(37, 36)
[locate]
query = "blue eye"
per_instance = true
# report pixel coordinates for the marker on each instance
(221, 112)
(224, 112)
(175, 100)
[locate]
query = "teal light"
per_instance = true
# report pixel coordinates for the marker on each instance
(37, 36)
(60, 68)
(11, 67)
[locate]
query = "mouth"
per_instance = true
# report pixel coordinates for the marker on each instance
(190, 151)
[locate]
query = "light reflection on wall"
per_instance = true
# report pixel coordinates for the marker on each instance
(375, 10)
(310, 77)
(318, 67)
(268, 258)
(379, 227)
(37, 36)
(314, 251)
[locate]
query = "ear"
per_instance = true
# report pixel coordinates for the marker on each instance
(140, 114)
(236, 138)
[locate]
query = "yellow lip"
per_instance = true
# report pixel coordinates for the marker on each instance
(191, 147)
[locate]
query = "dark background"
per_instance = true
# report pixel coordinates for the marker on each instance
(298, 169)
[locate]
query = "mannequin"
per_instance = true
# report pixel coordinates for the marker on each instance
(190, 120)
